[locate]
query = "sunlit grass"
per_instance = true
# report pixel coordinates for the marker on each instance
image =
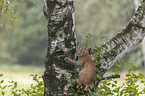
(20, 74)
(122, 78)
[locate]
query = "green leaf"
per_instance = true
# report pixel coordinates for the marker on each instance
(53, 30)
(129, 71)
(135, 80)
(115, 82)
(32, 75)
(134, 75)
(1, 75)
(135, 68)
(96, 47)
(97, 62)
(90, 34)
(15, 84)
(11, 81)
(118, 64)
(95, 54)
(113, 85)
(112, 70)
(142, 81)
(127, 63)
(115, 91)
(141, 75)
(132, 64)
(49, 37)
(10, 86)
(127, 75)
(101, 51)
(3, 93)
(128, 60)
(102, 37)
(115, 67)
(4, 87)
(12, 27)
(15, 18)
(2, 81)
(86, 36)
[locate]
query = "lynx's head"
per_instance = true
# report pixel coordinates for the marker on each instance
(81, 50)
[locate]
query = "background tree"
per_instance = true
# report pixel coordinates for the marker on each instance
(7, 7)
(30, 45)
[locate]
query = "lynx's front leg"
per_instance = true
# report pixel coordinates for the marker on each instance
(70, 61)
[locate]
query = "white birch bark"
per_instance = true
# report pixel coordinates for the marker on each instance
(136, 3)
(61, 39)
(124, 41)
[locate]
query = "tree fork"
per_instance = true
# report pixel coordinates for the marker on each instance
(61, 38)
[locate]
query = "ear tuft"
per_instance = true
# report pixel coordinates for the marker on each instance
(85, 47)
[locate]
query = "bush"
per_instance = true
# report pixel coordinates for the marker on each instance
(34, 90)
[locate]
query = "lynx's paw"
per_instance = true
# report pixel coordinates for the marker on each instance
(66, 59)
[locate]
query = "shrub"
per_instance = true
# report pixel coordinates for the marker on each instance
(35, 89)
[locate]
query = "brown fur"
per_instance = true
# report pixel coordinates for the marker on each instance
(86, 75)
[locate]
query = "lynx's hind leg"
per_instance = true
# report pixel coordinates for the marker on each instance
(86, 88)
(78, 81)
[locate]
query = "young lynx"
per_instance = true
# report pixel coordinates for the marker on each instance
(86, 75)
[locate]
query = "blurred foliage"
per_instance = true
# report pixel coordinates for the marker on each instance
(102, 17)
(6, 7)
(26, 43)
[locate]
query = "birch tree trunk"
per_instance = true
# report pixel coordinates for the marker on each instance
(61, 40)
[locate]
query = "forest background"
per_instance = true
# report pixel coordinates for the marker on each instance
(26, 43)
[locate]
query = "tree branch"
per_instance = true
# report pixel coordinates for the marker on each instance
(111, 76)
(121, 44)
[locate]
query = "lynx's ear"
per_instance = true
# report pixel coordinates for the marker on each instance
(78, 47)
(85, 47)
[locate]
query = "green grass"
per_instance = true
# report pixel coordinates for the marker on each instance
(19, 73)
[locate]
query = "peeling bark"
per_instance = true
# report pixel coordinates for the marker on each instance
(121, 44)
(61, 40)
